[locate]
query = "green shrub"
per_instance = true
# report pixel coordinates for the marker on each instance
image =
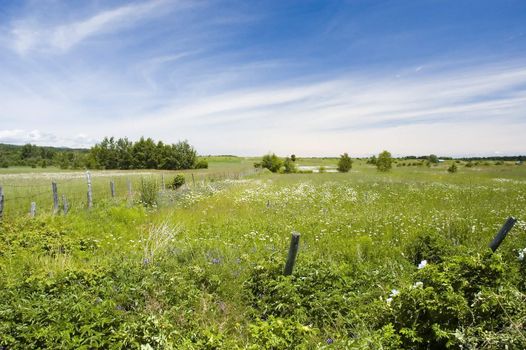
(178, 181)
(452, 169)
(384, 161)
(372, 160)
(459, 303)
(289, 166)
(428, 246)
(345, 163)
(317, 293)
(433, 159)
(271, 162)
(201, 164)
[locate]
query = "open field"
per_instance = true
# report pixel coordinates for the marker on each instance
(203, 269)
(23, 185)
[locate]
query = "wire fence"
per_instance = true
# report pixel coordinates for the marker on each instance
(33, 194)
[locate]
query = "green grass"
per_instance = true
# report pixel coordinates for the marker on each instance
(203, 269)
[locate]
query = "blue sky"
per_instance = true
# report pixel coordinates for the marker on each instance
(314, 78)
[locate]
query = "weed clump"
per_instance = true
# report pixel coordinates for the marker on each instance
(149, 192)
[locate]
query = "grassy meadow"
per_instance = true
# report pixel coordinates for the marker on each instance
(395, 260)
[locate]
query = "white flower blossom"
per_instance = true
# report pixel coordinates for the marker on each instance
(418, 285)
(422, 264)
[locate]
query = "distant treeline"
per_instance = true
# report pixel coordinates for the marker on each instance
(110, 153)
(36, 156)
(468, 159)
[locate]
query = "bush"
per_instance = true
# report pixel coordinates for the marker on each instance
(428, 246)
(384, 161)
(178, 181)
(290, 166)
(149, 192)
(201, 164)
(271, 162)
(461, 303)
(345, 163)
(452, 168)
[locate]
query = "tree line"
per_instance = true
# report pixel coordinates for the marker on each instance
(275, 164)
(110, 153)
(122, 153)
(37, 156)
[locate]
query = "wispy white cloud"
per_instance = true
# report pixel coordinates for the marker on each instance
(38, 137)
(368, 98)
(28, 35)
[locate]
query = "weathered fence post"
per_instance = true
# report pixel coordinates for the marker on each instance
(90, 194)
(293, 251)
(112, 188)
(508, 225)
(193, 180)
(65, 205)
(1, 202)
(129, 188)
(33, 210)
(55, 197)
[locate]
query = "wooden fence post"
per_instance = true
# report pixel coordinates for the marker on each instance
(508, 225)
(129, 188)
(193, 179)
(163, 187)
(33, 210)
(112, 188)
(55, 197)
(293, 251)
(65, 205)
(90, 194)
(1, 202)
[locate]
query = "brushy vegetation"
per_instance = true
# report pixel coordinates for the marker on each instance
(395, 260)
(177, 181)
(344, 163)
(271, 162)
(384, 161)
